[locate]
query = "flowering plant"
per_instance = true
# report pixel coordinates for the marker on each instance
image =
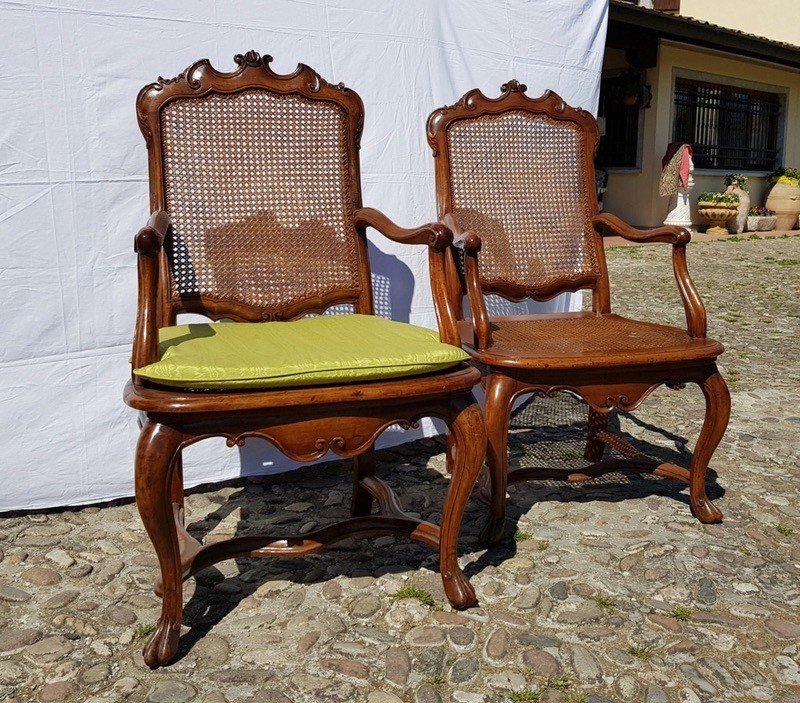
(736, 179)
(760, 211)
(785, 175)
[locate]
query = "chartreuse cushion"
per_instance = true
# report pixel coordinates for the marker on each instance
(307, 352)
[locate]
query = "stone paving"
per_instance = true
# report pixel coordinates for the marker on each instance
(608, 591)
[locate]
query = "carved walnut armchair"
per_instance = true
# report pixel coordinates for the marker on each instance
(257, 218)
(515, 181)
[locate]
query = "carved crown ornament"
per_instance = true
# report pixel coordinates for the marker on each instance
(512, 96)
(252, 71)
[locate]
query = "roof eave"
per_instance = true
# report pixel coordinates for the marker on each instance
(685, 29)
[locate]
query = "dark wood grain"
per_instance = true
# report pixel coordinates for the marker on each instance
(305, 423)
(610, 370)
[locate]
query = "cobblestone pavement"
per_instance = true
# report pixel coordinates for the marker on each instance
(609, 591)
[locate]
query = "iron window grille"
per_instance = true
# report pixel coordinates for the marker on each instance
(730, 128)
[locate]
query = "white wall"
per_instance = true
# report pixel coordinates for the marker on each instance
(74, 190)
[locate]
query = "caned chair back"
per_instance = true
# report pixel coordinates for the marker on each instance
(519, 173)
(259, 174)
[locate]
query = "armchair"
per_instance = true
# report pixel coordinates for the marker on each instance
(257, 218)
(515, 184)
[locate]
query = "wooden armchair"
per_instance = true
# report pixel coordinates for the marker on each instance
(515, 182)
(257, 218)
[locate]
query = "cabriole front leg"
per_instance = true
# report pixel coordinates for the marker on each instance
(468, 437)
(718, 410)
(155, 463)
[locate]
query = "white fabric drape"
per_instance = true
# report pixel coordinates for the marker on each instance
(74, 188)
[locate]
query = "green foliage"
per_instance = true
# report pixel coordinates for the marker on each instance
(784, 529)
(643, 653)
(785, 175)
(736, 179)
(760, 211)
(411, 592)
(543, 544)
(604, 601)
(143, 630)
(521, 535)
(435, 681)
(562, 683)
(681, 612)
(718, 199)
(782, 262)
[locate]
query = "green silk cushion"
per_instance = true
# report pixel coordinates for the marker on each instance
(307, 352)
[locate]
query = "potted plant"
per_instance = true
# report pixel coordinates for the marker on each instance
(718, 208)
(631, 89)
(736, 183)
(784, 197)
(760, 219)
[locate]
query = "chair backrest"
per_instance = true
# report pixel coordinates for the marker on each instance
(259, 173)
(519, 173)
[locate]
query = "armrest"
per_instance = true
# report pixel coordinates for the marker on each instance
(148, 244)
(434, 234)
(471, 244)
(438, 239)
(606, 223)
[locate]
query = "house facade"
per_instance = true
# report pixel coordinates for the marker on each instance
(722, 76)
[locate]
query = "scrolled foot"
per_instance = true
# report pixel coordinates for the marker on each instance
(718, 409)
(705, 511)
(162, 645)
(458, 589)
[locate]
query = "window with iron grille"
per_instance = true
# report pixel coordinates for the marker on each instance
(730, 128)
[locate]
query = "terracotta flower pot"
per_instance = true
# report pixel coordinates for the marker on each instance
(784, 200)
(717, 214)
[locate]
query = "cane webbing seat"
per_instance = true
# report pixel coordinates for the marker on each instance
(515, 181)
(308, 352)
(258, 188)
(586, 339)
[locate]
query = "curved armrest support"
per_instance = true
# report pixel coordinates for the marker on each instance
(148, 244)
(438, 239)
(434, 234)
(607, 224)
(471, 244)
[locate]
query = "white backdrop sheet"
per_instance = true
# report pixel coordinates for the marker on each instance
(74, 190)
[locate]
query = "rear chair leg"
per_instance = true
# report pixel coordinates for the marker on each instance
(362, 501)
(155, 455)
(718, 410)
(498, 407)
(598, 422)
(469, 441)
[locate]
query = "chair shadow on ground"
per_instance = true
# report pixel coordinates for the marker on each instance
(546, 432)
